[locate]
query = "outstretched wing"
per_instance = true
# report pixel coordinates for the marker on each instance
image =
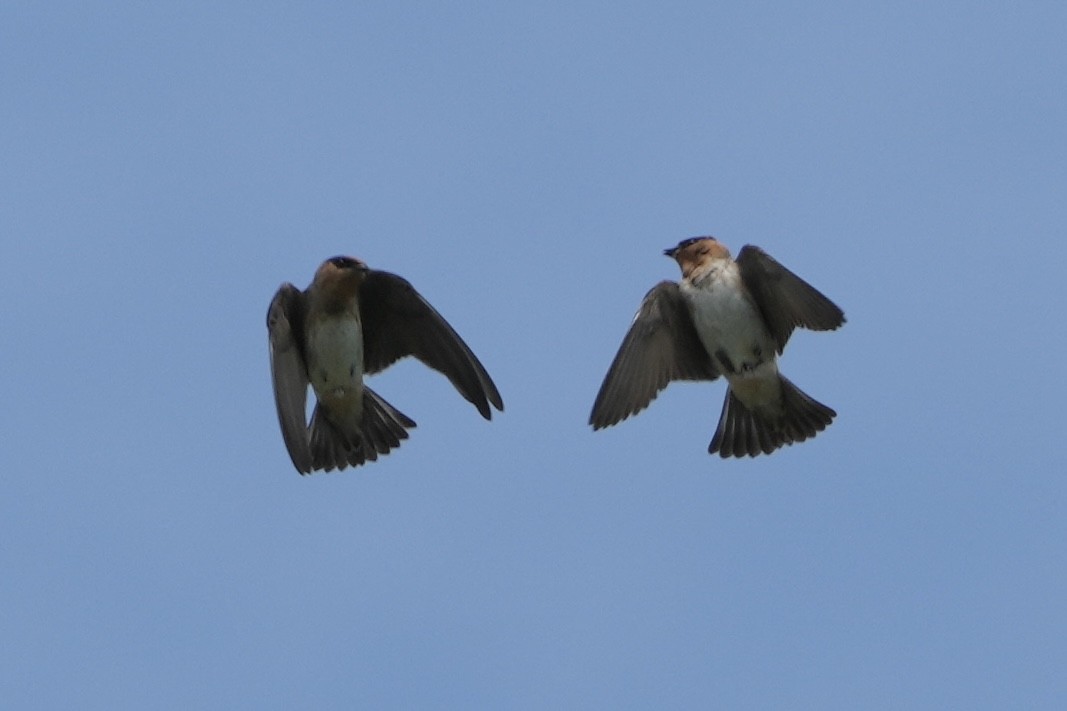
(784, 299)
(662, 345)
(398, 322)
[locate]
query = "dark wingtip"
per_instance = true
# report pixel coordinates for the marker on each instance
(489, 396)
(487, 399)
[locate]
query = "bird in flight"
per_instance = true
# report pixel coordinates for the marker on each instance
(726, 317)
(353, 321)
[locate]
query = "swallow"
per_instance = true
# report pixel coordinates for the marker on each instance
(726, 317)
(354, 321)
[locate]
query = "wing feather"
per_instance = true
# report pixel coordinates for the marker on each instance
(289, 372)
(398, 322)
(661, 346)
(784, 299)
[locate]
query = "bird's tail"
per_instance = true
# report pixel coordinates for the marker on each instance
(381, 429)
(743, 432)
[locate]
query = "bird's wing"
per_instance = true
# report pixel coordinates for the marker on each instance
(662, 345)
(784, 299)
(398, 322)
(289, 372)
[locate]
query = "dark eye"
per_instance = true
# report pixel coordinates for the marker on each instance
(343, 262)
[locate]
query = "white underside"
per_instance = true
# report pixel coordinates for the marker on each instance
(727, 320)
(335, 358)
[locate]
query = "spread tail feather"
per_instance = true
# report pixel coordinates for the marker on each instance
(381, 429)
(743, 432)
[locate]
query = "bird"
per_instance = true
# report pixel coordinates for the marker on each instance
(726, 317)
(350, 322)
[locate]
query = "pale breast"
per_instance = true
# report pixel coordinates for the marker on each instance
(728, 323)
(335, 358)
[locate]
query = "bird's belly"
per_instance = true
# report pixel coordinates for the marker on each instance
(335, 361)
(730, 328)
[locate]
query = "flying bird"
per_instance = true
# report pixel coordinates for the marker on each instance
(350, 322)
(726, 317)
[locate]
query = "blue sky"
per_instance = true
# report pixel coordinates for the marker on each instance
(166, 167)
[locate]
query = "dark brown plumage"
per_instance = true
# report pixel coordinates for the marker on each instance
(352, 321)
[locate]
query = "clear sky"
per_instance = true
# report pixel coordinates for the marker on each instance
(165, 166)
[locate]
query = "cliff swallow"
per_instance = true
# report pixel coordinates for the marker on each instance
(350, 322)
(726, 317)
